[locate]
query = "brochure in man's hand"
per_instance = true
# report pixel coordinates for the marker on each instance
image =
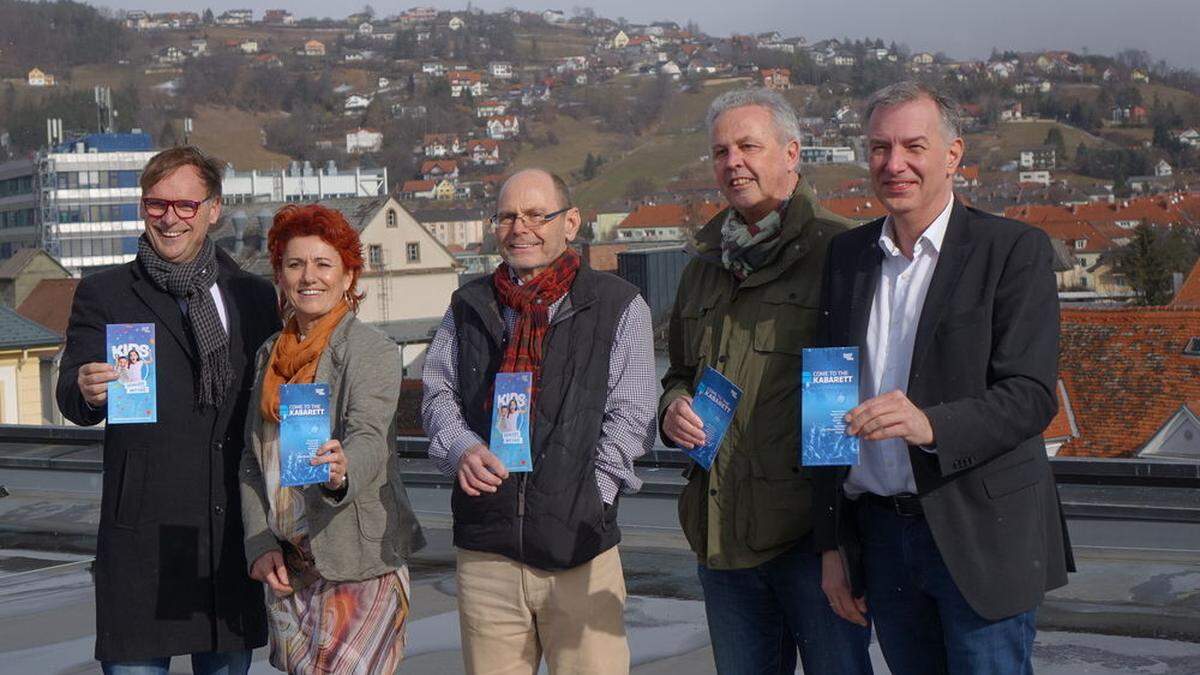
(303, 429)
(829, 390)
(715, 402)
(510, 421)
(133, 396)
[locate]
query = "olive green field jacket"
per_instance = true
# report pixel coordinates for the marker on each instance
(755, 501)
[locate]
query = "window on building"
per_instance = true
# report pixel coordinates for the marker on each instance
(375, 256)
(412, 252)
(391, 218)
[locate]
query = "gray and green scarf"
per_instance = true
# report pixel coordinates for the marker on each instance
(745, 247)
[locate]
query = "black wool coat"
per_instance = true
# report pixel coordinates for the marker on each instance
(170, 569)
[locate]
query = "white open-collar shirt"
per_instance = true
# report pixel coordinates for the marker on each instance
(883, 466)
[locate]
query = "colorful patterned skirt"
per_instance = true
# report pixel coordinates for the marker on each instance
(350, 627)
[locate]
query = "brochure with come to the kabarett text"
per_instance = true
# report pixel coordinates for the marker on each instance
(303, 429)
(829, 390)
(715, 402)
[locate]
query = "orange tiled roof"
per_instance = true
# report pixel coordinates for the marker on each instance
(418, 185)
(670, 215)
(445, 165)
(855, 208)
(1126, 374)
(969, 172)
(1060, 426)
(1189, 292)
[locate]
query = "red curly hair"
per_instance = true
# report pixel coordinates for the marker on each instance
(319, 221)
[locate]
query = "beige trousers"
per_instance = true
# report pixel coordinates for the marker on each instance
(510, 615)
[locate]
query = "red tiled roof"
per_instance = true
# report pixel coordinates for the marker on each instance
(1126, 374)
(969, 172)
(670, 215)
(603, 257)
(1060, 426)
(49, 303)
(1189, 292)
(418, 186)
(855, 208)
(445, 165)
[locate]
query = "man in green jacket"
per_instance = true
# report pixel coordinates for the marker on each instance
(747, 306)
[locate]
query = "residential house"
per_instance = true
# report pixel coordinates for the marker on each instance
(314, 48)
(670, 69)
(1038, 158)
(490, 108)
(1162, 168)
(844, 59)
(248, 46)
(1010, 111)
(1134, 115)
(1139, 75)
(417, 189)
(484, 152)
(503, 127)
(1190, 138)
(500, 70)
(571, 64)
(966, 176)
(458, 228)
(1089, 246)
(433, 68)
(816, 154)
(456, 23)
(199, 47)
(439, 169)
(618, 41)
(363, 140)
(922, 59)
(665, 222)
(1132, 380)
(1034, 177)
(279, 17)
(23, 271)
(445, 190)
(776, 78)
(860, 209)
(442, 145)
(27, 370)
(554, 16)
(236, 17)
(39, 78)
(467, 81)
(171, 55)
(356, 103)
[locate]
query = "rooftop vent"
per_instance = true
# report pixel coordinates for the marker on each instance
(1193, 347)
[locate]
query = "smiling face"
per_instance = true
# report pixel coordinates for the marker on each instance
(134, 356)
(754, 168)
(313, 279)
(912, 161)
(530, 250)
(174, 239)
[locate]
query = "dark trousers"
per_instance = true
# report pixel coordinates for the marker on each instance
(759, 617)
(923, 623)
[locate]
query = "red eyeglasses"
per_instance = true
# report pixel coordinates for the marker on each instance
(186, 209)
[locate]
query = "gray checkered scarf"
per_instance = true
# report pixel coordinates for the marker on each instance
(190, 281)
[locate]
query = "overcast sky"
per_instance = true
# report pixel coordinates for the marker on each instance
(1168, 29)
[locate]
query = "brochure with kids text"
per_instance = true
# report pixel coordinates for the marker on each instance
(829, 390)
(510, 421)
(303, 429)
(133, 396)
(715, 402)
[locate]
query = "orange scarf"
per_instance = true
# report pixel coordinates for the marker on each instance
(294, 361)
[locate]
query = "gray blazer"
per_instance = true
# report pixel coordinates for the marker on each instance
(370, 529)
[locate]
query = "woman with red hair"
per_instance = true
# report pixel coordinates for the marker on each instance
(332, 555)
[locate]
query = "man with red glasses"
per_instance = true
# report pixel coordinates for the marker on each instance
(170, 569)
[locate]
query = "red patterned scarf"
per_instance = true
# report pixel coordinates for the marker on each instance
(532, 301)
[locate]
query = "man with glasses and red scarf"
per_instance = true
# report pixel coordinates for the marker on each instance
(171, 575)
(538, 568)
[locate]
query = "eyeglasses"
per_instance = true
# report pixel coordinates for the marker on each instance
(534, 221)
(186, 209)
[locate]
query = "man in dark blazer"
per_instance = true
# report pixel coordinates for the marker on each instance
(950, 523)
(170, 570)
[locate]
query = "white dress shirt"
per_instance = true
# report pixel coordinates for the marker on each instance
(883, 466)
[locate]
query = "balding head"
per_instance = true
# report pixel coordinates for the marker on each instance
(526, 243)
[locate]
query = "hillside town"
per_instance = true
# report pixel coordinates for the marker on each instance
(408, 124)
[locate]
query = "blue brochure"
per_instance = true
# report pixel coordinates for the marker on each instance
(715, 402)
(510, 421)
(829, 390)
(133, 396)
(303, 429)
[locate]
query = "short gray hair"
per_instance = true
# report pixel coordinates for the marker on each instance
(781, 111)
(908, 91)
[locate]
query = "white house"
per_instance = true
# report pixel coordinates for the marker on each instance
(1041, 177)
(554, 16)
(363, 140)
(503, 127)
(38, 78)
(456, 23)
(356, 103)
(491, 108)
(1162, 168)
(248, 46)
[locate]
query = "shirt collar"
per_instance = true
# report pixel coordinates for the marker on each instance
(932, 236)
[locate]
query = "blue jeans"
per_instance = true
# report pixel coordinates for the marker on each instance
(923, 623)
(203, 663)
(758, 617)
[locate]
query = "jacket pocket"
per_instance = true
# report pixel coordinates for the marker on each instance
(777, 500)
(696, 322)
(372, 518)
(784, 325)
(1011, 479)
(131, 489)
